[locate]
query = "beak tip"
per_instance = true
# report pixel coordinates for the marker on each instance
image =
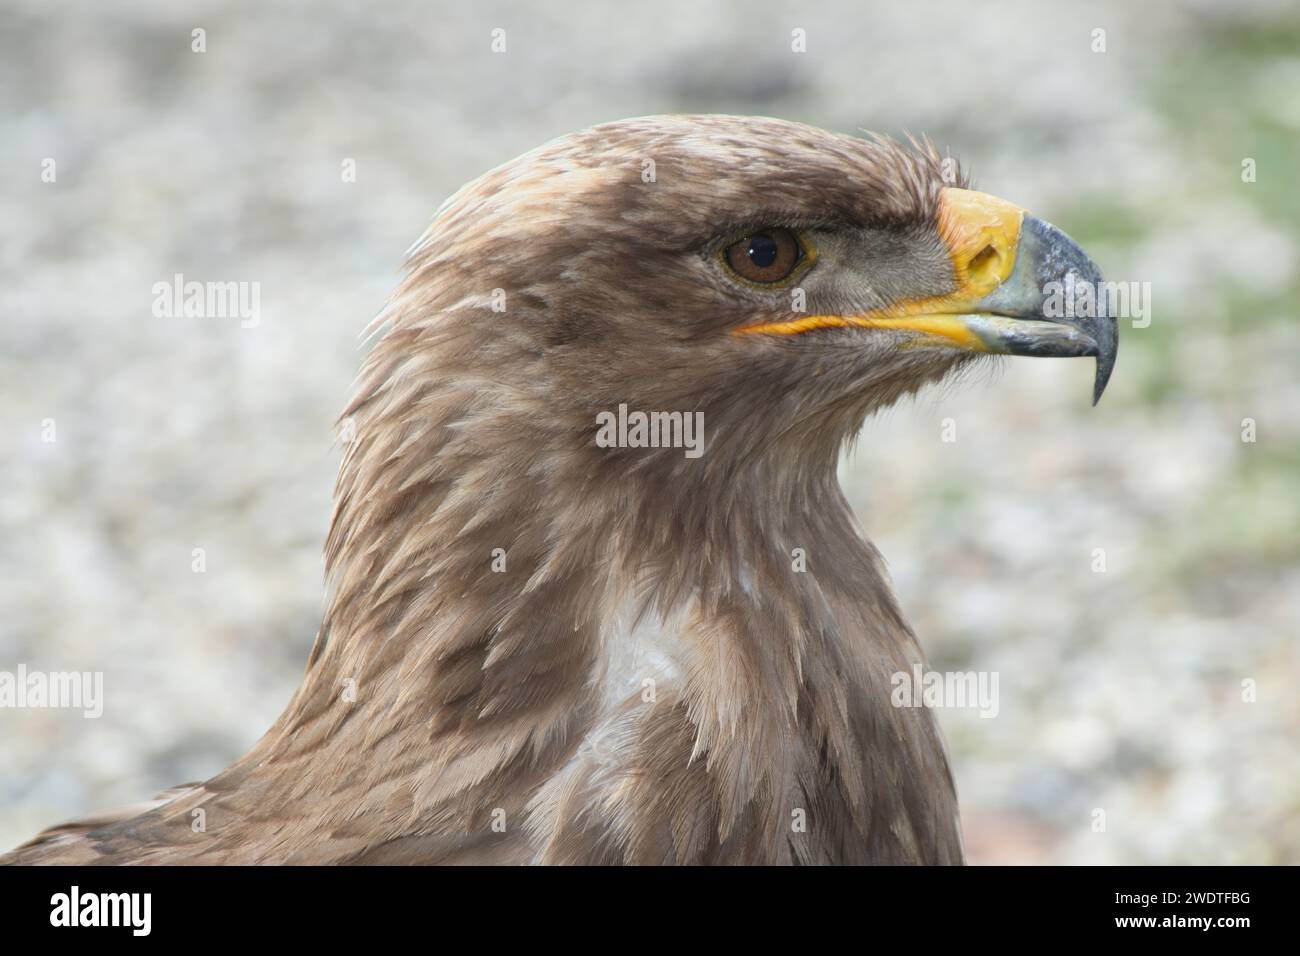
(1104, 369)
(1106, 333)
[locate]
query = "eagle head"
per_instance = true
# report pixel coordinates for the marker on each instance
(780, 279)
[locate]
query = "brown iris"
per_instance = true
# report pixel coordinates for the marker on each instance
(765, 257)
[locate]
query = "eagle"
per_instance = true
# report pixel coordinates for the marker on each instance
(551, 639)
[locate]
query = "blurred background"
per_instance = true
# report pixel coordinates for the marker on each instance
(1120, 689)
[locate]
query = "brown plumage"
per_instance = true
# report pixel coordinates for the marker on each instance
(538, 649)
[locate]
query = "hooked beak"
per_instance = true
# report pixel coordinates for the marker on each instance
(1017, 278)
(1026, 314)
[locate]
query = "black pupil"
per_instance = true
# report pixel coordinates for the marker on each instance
(762, 251)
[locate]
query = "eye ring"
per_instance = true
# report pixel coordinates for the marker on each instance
(770, 258)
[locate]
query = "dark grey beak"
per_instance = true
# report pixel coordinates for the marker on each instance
(1053, 304)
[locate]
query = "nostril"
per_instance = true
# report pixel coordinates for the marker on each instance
(982, 261)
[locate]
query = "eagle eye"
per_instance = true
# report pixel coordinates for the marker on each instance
(767, 257)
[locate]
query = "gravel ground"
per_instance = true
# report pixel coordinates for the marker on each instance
(1121, 690)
